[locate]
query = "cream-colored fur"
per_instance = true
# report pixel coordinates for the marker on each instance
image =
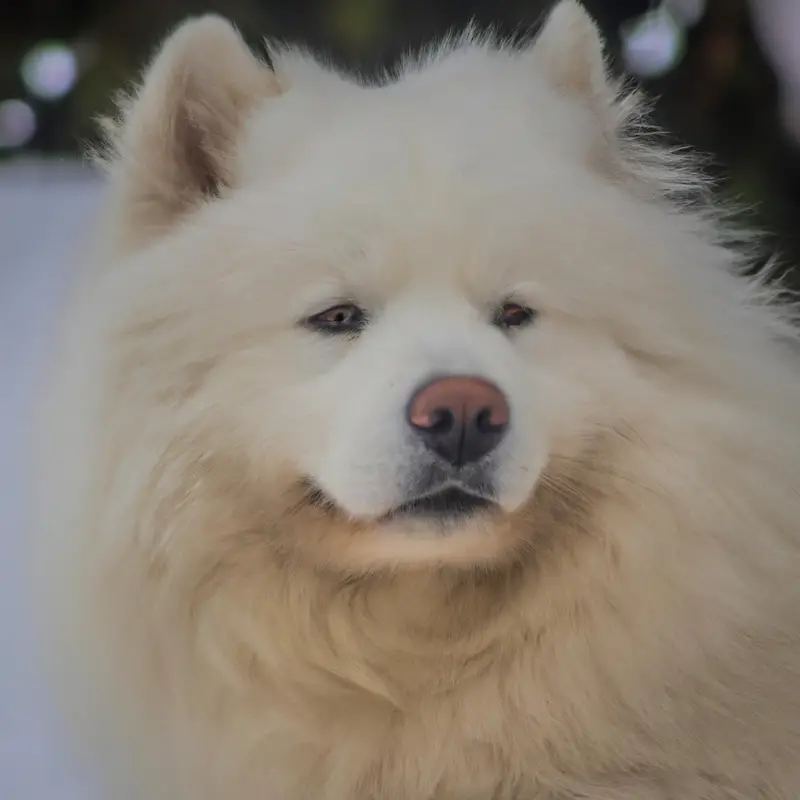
(624, 627)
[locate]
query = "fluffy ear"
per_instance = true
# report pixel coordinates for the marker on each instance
(569, 51)
(172, 145)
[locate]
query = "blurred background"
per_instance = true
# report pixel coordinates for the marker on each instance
(726, 72)
(725, 75)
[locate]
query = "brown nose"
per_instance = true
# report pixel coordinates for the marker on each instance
(460, 418)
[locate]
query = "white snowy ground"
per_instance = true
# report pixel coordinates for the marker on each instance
(42, 209)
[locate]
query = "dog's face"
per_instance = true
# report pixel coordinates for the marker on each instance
(421, 364)
(409, 309)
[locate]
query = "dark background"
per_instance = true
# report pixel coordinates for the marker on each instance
(721, 96)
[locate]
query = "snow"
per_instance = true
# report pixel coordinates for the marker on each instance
(42, 209)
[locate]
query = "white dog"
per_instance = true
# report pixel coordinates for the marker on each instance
(418, 442)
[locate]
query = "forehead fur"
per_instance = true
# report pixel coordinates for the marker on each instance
(453, 94)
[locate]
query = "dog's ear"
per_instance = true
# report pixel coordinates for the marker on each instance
(569, 51)
(172, 145)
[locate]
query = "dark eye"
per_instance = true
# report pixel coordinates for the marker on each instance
(345, 318)
(514, 315)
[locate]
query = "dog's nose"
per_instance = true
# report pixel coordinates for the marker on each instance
(460, 418)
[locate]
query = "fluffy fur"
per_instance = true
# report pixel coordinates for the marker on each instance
(229, 611)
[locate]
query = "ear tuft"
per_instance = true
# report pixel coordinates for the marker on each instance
(172, 146)
(569, 49)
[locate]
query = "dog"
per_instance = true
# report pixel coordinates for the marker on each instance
(425, 439)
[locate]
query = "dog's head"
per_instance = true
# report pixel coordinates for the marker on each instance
(406, 312)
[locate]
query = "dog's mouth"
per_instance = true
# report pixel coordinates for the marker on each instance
(449, 503)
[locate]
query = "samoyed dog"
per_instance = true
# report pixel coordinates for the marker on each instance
(421, 440)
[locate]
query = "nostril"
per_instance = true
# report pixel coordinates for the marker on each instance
(440, 421)
(437, 420)
(486, 421)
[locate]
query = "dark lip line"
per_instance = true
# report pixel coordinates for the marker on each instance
(462, 503)
(471, 501)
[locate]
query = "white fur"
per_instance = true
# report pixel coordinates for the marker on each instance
(626, 628)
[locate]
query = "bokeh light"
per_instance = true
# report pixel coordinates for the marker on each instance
(50, 70)
(17, 123)
(653, 44)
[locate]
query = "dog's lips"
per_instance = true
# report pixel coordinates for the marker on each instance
(451, 502)
(448, 503)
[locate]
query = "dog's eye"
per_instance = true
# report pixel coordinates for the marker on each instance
(514, 315)
(344, 318)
